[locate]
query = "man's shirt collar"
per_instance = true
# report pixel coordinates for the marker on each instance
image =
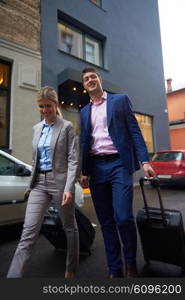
(102, 99)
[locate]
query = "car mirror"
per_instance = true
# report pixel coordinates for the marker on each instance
(21, 170)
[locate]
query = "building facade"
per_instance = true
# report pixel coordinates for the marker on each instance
(176, 115)
(20, 74)
(122, 40)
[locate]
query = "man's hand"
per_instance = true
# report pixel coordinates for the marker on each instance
(84, 182)
(67, 197)
(149, 172)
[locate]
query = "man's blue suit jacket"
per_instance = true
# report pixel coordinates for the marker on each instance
(123, 130)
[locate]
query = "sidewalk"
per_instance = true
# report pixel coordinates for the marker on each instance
(154, 269)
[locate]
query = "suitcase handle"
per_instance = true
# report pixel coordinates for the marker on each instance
(156, 184)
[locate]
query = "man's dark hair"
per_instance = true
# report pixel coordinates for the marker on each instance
(90, 69)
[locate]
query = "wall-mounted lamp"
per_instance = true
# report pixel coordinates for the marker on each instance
(1, 79)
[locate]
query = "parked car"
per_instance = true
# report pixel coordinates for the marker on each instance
(14, 180)
(169, 166)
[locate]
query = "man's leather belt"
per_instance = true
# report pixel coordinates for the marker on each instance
(44, 171)
(106, 156)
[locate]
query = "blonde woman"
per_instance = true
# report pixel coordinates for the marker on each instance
(55, 163)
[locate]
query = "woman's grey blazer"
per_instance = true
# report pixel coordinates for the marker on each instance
(64, 154)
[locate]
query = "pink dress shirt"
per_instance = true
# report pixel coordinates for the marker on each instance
(101, 142)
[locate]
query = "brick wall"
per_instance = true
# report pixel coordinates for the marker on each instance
(20, 22)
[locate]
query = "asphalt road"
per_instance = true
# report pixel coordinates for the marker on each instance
(47, 262)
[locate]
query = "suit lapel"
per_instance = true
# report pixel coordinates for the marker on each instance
(36, 138)
(87, 120)
(56, 131)
(110, 101)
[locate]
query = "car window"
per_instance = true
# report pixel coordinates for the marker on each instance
(7, 167)
(168, 156)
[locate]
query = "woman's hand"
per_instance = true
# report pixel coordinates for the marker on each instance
(67, 197)
(27, 193)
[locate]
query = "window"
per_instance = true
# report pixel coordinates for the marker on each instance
(7, 167)
(92, 51)
(145, 124)
(70, 40)
(97, 2)
(77, 43)
(4, 103)
(89, 51)
(168, 156)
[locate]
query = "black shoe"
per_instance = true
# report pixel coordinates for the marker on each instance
(131, 270)
(118, 274)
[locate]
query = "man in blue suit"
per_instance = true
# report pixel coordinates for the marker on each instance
(112, 148)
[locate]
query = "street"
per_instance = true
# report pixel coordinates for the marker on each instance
(50, 263)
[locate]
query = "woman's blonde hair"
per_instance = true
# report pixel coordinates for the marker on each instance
(49, 93)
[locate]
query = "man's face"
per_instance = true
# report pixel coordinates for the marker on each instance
(92, 83)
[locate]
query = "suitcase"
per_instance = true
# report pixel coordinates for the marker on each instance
(161, 230)
(52, 229)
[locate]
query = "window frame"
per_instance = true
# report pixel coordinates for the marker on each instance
(74, 29)
(8, 90)
(100, 48)
(84, 35)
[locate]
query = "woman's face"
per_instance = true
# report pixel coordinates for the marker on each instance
(48, 109)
